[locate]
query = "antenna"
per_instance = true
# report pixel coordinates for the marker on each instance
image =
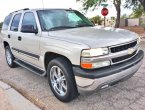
(42, 3)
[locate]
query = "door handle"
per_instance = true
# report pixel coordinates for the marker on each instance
(9, 36)
(19, 38)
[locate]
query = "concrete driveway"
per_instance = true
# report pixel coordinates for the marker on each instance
(129, 95)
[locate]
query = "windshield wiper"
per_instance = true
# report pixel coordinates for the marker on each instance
(60, 27)
(85, 25)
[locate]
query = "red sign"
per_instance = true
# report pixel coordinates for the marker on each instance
(104, 11)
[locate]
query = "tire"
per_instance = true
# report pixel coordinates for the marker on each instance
(9, 57)
(66, 84)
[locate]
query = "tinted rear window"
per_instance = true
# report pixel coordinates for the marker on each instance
(6, 22)
(15, 22)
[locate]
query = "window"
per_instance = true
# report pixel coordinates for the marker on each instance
(75, 19)
(6, 22)
(15, 22)
(29, 19)
(50, 19)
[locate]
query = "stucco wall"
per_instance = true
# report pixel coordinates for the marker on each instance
(133, 22)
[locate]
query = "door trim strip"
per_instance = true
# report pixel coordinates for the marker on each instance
(27, 53)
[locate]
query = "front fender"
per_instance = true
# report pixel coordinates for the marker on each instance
(72, 54)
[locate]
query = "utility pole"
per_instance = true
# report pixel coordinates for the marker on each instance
(42, 3)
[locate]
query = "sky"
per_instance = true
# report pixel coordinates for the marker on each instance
(8, 6)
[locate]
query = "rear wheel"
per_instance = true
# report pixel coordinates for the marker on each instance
(9, 57)
(61, 79)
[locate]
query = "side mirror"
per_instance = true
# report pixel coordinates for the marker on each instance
(29, 29)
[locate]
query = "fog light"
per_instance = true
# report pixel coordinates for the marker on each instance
(101, 64)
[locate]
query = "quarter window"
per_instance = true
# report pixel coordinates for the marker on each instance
(15, 22)
(29, 19)
(6, 22)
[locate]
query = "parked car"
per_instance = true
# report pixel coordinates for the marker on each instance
(76, 56)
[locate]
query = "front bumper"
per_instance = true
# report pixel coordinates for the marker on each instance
(89, 80)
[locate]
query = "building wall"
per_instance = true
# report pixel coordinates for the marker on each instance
(126, 22)
(133, 22)
(108, 22)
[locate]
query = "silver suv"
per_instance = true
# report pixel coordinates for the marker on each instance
(76, 56)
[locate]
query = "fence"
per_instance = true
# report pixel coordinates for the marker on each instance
(132, 22)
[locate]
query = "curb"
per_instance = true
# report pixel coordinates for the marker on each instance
(17, 101)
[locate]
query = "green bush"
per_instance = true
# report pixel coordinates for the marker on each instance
(1, 25)
(96, 20)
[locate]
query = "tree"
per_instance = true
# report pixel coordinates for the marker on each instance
(96, 20)
(135, 3)
(124, 16)
(117, 4)
(93, 3)
(138, 12)
(142, 3)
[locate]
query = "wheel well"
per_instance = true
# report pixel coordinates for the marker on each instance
(50, 55)
(5, 44)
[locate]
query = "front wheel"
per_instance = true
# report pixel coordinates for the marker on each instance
(61, 79)
(9, 57)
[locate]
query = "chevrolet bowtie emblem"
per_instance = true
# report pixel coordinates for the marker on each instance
(130, 51)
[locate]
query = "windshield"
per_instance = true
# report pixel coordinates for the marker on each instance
(62, 19)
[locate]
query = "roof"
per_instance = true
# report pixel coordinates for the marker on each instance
(39, 9)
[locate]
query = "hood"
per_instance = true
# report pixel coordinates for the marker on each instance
(95, 37)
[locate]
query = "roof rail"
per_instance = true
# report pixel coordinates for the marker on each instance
(20, 10)
(25, 9)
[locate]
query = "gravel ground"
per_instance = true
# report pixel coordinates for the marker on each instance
(128, 95)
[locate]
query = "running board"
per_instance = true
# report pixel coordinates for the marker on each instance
(30, 67)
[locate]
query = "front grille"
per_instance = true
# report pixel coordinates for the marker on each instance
(118, 59)
(123, 47)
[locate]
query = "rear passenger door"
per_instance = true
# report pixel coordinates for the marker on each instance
(29, 42)
(14, 33)
(5, 29)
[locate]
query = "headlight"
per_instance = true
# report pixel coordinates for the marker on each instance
(95, 52)
(88, 60)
